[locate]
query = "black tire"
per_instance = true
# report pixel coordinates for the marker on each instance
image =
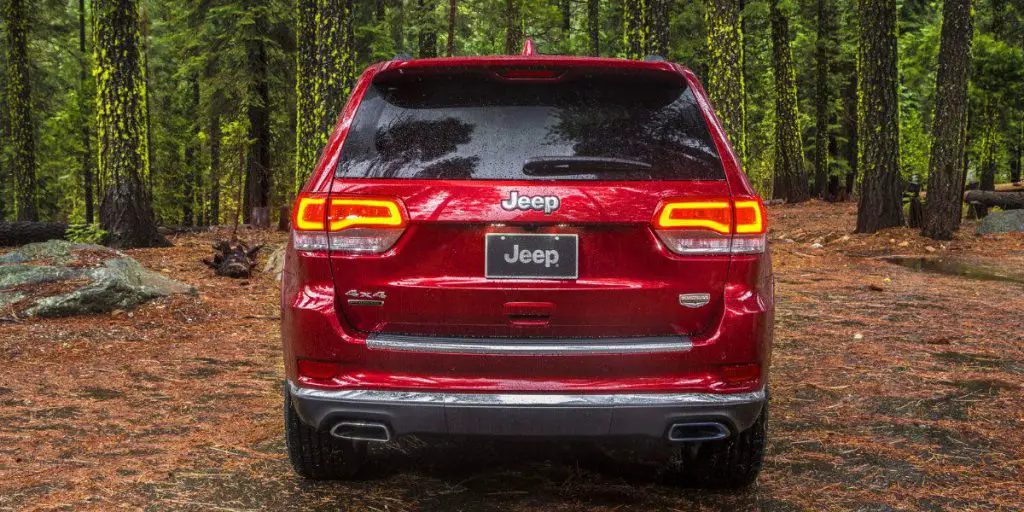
(319, 455)
(732, 463)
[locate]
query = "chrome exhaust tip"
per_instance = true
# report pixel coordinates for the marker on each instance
(362, 431)
(698, 431)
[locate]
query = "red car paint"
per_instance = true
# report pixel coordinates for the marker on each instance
(628, 281)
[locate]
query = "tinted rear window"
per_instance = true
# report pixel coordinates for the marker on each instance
(459, 128)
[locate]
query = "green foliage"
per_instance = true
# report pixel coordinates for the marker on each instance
(207, 39)
(86, 233)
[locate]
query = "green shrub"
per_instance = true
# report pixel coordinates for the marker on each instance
(86, 233)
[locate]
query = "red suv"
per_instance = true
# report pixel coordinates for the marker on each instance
(531, 246)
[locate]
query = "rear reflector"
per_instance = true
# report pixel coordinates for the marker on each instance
(712, 226)
(366, 225)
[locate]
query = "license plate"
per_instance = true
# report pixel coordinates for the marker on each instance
(531, 256)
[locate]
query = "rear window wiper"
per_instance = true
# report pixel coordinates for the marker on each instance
(570, 165)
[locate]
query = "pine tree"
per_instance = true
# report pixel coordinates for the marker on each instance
(822, 94)
(453, 9)
(20, 132)
(126, 212)
(594, 26)
(257, 172)
(790, 177)
(942, 208)
(634, 30)
(307, 126)
(427, 36)
(513, 28)
(657, 18)
(881, 203)
(725, 69)
(84, 90)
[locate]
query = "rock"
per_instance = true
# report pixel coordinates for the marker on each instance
(903, 244)
(111, 280)
(816, 246)
(929, 248)
(1010, 221)
(275, 262)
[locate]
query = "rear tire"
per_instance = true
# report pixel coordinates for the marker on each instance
(732, 463)
(318, 455)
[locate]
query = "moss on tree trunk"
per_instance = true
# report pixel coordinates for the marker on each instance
(126, 211)
(946, 165)
(725, 68)
(19, 134)
(790, 177)
(881, 191)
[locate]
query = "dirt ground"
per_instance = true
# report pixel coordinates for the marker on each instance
(892, 389)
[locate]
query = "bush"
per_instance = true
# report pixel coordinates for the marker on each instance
(86, 233)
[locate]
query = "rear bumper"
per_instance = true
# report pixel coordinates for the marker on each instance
(525, 414)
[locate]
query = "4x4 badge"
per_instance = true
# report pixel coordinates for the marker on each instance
(547, 204)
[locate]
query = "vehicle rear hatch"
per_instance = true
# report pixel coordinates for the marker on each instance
(493, 164)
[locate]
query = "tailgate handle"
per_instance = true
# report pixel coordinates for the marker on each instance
(529, 313)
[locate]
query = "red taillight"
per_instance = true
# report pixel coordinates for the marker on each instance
(712, 226)
(353, 224)
(739, 373)
(318, 370)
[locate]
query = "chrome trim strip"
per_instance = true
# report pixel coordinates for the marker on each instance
(527, 346)
(527, 399)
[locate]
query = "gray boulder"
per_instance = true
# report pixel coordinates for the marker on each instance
(99, 279)
(1009, 221)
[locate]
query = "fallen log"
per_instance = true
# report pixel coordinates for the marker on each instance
(988, 199)
(21, 233)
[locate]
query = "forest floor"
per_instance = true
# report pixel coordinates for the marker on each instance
(892, 389)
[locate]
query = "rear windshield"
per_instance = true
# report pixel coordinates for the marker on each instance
(480, 129)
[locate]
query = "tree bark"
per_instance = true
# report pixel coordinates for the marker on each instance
(453, 10)
(20, 233)
(943, 208)
(84, 111)
(193, 172)
(881, 203)
(725, 70)
(790, 177)
(988, 199)
(513, 28)
(594, 26)
(566, 8)
(427, 37)
(126, 212)
(822, 96)
(307, 126)
(20, 135)
(656, 18)
(257, 173)
(215, 136)
(635, 33)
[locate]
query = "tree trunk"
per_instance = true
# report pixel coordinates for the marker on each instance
(790, 177)
(214, 215)
(126, 212)
(594, 26)
(988, 199)
(852, 118)
(257, 173)
(427, 37)
(83, 112)
(822, 96)
(657, 18)
(725, 69)
(566, 7)
(513, 28)
(20, 233)
(881, 204)
(633, 28)
(193, 172)
(453, 10)
(146, 89)
(307, 126)
(20, 135)
(943, 208)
